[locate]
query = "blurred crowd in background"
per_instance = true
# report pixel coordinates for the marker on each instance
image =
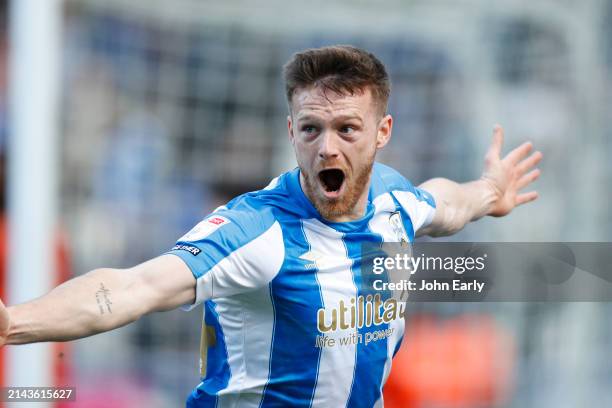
(171, 108)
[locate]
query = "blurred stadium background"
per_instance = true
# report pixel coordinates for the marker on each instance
(169, 108)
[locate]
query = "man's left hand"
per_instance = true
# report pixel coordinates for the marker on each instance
(508, 176)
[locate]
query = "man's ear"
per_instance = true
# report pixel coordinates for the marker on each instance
(385, 127)
(290, 129)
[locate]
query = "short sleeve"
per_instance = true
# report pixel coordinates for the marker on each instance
(231, 252)
(417, 203)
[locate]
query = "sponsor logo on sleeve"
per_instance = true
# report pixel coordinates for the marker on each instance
(217, 220)
(193, 250)
(205, 228)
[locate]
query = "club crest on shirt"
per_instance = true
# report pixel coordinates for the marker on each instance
(205, 228)
(395, 219)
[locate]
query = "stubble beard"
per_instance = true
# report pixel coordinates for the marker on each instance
(333, 208)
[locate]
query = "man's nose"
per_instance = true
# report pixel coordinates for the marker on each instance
(328, 147)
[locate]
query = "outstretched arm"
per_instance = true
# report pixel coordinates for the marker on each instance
(496, 193)
(98, 301)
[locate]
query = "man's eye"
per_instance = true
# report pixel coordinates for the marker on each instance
(347, 129)
(309, 129)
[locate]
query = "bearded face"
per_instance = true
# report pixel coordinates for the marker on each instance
(335, 190)
(335, 137)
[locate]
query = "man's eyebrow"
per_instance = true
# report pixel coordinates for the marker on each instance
(348, 116)
(308, 117)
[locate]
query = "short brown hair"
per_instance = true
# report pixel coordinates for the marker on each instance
(338, 68)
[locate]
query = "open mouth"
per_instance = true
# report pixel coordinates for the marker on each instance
(332, 180)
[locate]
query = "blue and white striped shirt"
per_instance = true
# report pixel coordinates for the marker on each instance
(277, 281)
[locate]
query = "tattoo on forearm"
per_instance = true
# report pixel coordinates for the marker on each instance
(103, 299)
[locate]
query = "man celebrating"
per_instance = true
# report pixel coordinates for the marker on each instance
(278, 269)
